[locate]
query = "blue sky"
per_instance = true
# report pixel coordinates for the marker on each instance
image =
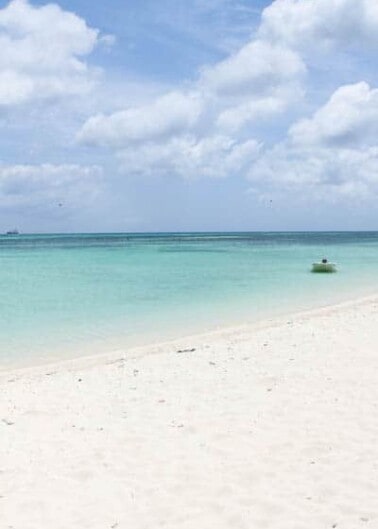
(188, 115)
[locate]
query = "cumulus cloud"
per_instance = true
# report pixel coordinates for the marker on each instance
(324, 24)
(333, 154)
(187, 157)
(43, 52)
(258, 82)
(350, 117)
(166, 116)
(211, 127)
(189, 131)
(258, 68)
(233, 118)
(48, 185)
(239, 116)
(320, 173)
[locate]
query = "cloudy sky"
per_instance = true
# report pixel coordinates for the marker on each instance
(181, 115)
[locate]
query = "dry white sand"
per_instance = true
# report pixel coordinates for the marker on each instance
(268, 427)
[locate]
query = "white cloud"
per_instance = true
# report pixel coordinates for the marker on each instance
(43, 52)
(319, 173)
(187, 157)
(48, 185)
(257, 69)
(333, 154)
(15, 87)
(233, 118)
(168, 115)
(207, 129)
(350, 117)
(257, 82)
(323, 24)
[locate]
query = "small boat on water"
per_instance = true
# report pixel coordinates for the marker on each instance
(12, 232)
(324, 266)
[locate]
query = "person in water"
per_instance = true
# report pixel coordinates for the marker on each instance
(324, 261)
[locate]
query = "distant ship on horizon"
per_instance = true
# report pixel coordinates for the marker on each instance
(13, 232)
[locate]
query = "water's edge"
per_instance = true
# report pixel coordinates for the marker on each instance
(68, 295)
(171, 346)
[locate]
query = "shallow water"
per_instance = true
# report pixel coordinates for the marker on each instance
(66, 295)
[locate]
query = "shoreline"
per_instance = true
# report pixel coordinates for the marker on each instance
(223, 332)
(271, 425)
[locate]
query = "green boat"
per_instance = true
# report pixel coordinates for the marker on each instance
(324, 267)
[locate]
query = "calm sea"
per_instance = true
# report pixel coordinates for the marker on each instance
(67, 295)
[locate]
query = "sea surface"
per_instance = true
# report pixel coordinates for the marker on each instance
(68, 295)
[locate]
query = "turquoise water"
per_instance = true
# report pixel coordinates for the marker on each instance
(67, 295)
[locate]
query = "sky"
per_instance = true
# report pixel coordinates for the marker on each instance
(188, 115)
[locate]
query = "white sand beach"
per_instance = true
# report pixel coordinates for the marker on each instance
(270, 426)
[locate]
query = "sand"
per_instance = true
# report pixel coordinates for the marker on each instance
(268, 426)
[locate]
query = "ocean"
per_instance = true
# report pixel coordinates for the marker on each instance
(64, 296)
